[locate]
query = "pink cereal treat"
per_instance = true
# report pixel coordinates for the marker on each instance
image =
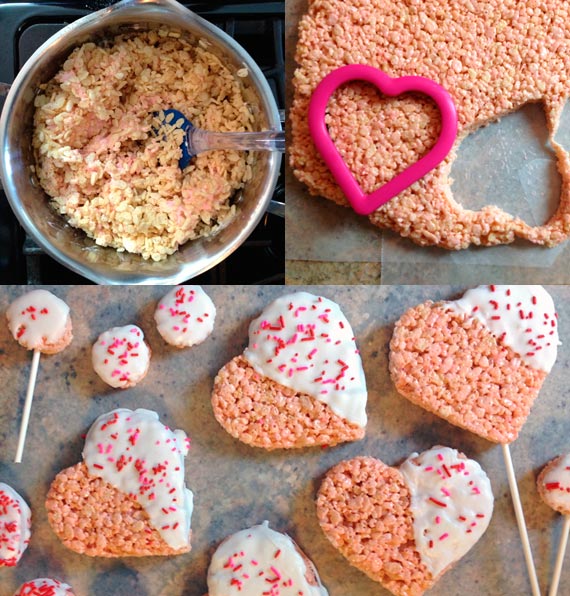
(121, 357)
(405, 527)
(39, 320)
(259, 560)
(44, 586)
(128, 496)
(492, 58)
(300, 380)
(185, 316)
(553, 484)
(480, 361)
(15, 526)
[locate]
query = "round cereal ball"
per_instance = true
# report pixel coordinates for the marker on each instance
(185, 316)
(121, 357)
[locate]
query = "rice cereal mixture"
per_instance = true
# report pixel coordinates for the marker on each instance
(104, 167)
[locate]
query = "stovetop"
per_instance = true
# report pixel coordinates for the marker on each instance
(257, 26)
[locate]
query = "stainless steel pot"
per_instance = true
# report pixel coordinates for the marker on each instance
(70, 246)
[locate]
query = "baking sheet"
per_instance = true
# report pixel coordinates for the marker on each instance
(508, 164)
(236, 485)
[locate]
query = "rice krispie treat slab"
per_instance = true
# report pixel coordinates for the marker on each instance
(259, 560)
(492, 61)
(128, 497)
(300, 380)
(406, 527)
(479, 362)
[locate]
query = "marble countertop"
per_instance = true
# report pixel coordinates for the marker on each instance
(235, 485)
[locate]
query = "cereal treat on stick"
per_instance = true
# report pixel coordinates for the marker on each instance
(185, 316)
(479, 362)
(15, 526)
(121, 356)
(553, 484)
(44, 586)
(299, 382)
(128, 496)
(405, 527)
(39, 321)
(259, 560)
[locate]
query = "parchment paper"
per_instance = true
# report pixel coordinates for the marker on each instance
(235, 485)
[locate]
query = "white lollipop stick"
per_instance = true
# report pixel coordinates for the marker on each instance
(520, 520)
(27, 406)
(560, 556)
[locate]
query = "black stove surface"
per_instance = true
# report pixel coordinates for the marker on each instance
(257, 26)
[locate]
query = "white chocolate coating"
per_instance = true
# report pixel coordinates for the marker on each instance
(45, 587)
(15, 526)
(120, 356)
(557, 484)
(521, 317)
(185, 316)
(140, 456)
(306, 343)
(37, 318)
(452, 504)
(258, 561)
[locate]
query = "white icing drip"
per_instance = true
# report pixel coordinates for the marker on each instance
(15, 526)
(140, 456)
(185, 316)
(37, 317)
(258, 559)
(452, 504)
(557, 484)
(521, 317)
(306, 343)
(120, 356)
(58, 588)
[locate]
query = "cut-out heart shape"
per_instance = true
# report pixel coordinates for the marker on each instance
(300, 381)
(406, 527)
(477, 362)
(361, 202)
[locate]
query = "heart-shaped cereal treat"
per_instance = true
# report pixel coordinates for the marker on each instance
(405, 527)
(478, 362)
(127, 497)
(259, 560)
(299, 382)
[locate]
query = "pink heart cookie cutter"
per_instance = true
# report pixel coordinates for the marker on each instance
(360, 201)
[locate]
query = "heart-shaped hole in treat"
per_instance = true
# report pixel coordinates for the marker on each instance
(405, 527)
(366, 203)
